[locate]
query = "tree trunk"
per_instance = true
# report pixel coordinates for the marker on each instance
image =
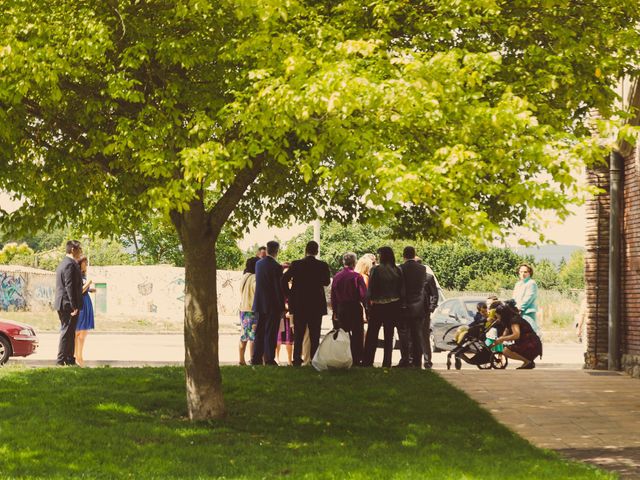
(202, 367)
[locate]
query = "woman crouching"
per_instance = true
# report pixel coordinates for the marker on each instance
(527, 345)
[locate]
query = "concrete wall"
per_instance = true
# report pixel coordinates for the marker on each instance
(136, 291)
(24, 288)
(156, 291)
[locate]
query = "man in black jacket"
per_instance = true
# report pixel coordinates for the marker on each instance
(431, 302)
(307, 299)
(68, 301)
(418, 308)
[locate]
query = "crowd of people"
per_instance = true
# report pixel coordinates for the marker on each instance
(285, 304)
(372, 290)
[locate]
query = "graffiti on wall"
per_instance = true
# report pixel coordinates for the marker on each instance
(44, 294)
(179, 282)
(12, 291)
(145, 288)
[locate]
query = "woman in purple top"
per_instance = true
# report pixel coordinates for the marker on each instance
(348, 291)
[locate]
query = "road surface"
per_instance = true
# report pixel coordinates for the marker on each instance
(132, 349)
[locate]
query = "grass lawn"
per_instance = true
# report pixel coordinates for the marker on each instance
(282, 423)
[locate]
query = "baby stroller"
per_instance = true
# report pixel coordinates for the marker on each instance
(471, 346)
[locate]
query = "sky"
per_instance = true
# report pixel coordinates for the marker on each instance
(571, 232)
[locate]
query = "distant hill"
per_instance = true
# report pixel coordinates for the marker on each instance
(553, 253)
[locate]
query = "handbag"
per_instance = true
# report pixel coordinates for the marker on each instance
(334, 351)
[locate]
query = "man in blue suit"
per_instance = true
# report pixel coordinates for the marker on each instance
(268, 305)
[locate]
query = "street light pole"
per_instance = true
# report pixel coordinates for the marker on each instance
(316, 233)
(85, 242)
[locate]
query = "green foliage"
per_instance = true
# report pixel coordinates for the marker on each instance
(102, 251)
(42, 240)
(50, 259)
(546, 275)
(228, 254)
(337, 239)
(155, 241)
(456, 263)
(14, 254)
(132, 420)
(444, 126)
(571, 275)
(492, 282)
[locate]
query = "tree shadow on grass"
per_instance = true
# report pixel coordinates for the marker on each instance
(362, 423)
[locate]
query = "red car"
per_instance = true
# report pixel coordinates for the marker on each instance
(16, 340)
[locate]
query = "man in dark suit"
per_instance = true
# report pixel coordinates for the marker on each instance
(268, 305)
(431, 302)
(420, 291)
(68, 301)
(411, 324)
(307, 299)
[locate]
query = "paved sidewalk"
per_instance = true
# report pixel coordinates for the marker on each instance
(592, 416)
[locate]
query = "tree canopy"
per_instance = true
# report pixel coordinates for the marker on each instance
(438, 118)
(450, 117)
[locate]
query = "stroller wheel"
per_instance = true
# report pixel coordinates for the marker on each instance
(486, 366)
(458, 363)
(499, 361)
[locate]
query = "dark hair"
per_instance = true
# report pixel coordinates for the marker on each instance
(507, 313)
(262, 248)
(528, 268)
(409, 253)
(312, 248)
(83, 259)
(73, 245)
(386, 256)
(250, 266)
(481, 305)
(272, 247)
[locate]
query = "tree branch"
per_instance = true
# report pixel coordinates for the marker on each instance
(229, 200)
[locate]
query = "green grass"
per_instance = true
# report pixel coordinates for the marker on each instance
(282, 423)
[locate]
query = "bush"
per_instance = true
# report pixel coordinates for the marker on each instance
(492, 282)
(14, 254)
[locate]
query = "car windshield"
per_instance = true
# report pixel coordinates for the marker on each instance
(471, 307)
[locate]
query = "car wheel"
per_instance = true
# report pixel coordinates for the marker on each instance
(5, 350)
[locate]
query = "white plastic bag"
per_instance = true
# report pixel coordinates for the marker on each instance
(334, 351)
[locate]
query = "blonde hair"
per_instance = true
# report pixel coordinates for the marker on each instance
(365, 263)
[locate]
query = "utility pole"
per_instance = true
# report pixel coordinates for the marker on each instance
(316, 233)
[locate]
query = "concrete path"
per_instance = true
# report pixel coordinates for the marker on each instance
(132, 349)
(592, 416)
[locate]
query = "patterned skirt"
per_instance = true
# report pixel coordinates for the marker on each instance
(248, 325)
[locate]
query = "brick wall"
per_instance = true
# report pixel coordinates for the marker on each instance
(630, 331)
(597, 269)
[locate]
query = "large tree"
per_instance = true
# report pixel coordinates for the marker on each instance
(440, 117)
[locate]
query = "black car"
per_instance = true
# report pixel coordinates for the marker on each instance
(452, 312)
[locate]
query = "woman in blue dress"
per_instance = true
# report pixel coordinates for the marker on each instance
(85, 320)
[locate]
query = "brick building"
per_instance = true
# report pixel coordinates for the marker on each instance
(599, 252)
